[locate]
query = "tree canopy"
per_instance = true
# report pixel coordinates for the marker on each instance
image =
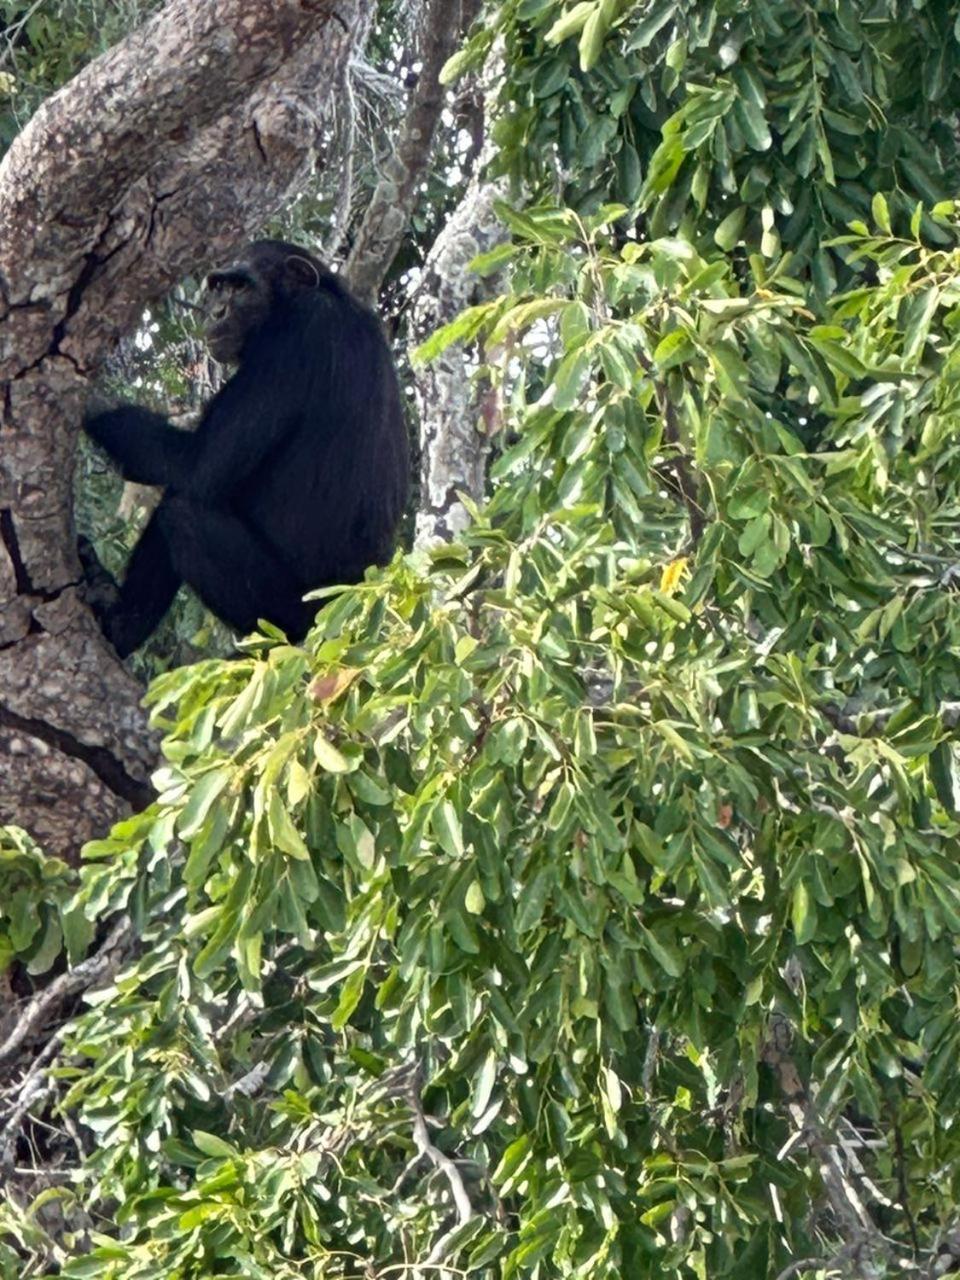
(580, 899)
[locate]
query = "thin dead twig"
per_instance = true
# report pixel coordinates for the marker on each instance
(440, 1161)
(85, 975)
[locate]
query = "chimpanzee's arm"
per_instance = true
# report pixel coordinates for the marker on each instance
(147, 448)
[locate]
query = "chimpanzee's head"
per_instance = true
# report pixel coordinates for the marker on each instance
(241, 297)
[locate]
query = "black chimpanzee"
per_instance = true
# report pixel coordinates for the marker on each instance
(297, 474)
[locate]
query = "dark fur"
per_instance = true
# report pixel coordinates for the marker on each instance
(296, 477)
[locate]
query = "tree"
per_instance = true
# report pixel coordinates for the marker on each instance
(203, 119)
(579, 900)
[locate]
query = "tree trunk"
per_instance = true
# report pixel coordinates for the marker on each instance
(457, 414)
(159, 157)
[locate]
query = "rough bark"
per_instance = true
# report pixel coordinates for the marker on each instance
(457, 415)
(442, 27)
(158, 158)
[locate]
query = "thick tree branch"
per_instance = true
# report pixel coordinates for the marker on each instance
(444, 23)
(136, 105)
(161, 155)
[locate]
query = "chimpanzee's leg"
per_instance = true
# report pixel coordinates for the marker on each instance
(233, 571)
(147, 591)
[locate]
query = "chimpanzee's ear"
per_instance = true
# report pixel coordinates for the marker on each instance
(301, 272)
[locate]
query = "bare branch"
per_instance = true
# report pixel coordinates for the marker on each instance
(437, 1158)
(33, 1088)
(385, 222)
(801, 1264)
(87, 974)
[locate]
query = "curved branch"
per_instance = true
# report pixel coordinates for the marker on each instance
(385, 222)
(87, 974)
(131, 108)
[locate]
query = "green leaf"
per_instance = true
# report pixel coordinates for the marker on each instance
(881, 214)
(571, 378)
(474, 901)
(592, 38)
(328, 757)
(283, 833)
(571, 23)
(803, 913)
(946, 776)
(673, 349)
(483, 1085)
(211, 1145)
(202, 796)
(463, 329)
(445, 822)
(728, 232)
(523, 316)
(350, 995)
(663, 952)
(653, 21)
(749, 115)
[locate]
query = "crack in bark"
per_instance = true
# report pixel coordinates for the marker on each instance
(9, 535)
(91, 265)
(24, 584)
(98, 760)
(258, 142)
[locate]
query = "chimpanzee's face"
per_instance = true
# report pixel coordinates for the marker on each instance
(238, 300)
(241, 297)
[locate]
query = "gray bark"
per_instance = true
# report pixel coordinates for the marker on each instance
(458, 415)
(459, 412)
(443, 24)
(157, 159)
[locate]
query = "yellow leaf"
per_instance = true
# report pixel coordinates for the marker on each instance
(671, 575)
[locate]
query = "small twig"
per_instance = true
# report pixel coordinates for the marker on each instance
(802, 1264)
(11, 32)
(443, 1163)
(651, 1060)
(446, 1166)
(434, 1260)
(31, 1089)
(848, 1252)
(677, 465)
(903, 1189)
(85, 975)
(405, 1172)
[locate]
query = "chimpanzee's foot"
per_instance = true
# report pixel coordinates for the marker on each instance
(126, 631)
(98, 589)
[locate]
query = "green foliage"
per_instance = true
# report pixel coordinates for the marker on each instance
(772, 120)
(580, 900)
(570, 815)
(34, 890)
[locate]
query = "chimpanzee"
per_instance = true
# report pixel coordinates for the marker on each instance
(297, 474)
